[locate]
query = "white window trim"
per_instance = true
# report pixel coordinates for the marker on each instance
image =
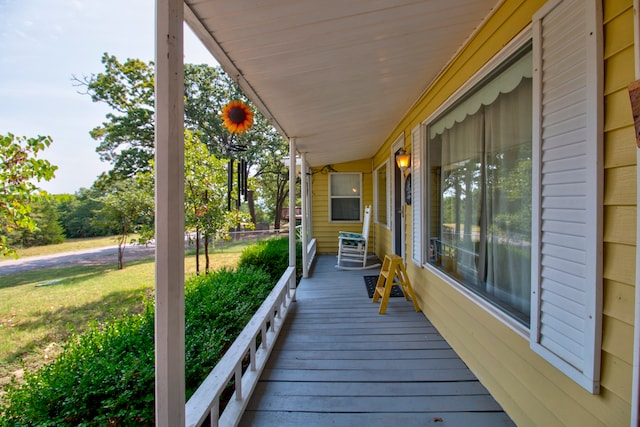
(376, 204)
(489, 308)
(418, 210)
(332, 197)
(397, 144)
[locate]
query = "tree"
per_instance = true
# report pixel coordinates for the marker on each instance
(272, 179)
(207, 90)
(126, 138)
(129, 207)
(205, 196)
(77, 213)
(21, 167)
(48, 231)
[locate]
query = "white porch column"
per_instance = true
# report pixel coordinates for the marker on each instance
(292, 206)
(305, 206)
(169, 157)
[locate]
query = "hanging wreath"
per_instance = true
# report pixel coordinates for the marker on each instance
(237, 117)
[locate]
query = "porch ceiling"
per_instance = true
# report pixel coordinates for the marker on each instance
(336, 75)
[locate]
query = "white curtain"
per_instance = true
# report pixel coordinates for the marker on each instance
(460, 189)
(508, 185)
(485, 191)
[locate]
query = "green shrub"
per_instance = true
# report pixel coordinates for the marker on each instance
(271, 255)
(102, 376)
(106, 375)
(219, 305)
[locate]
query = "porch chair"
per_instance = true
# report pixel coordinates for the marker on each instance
(352, 247)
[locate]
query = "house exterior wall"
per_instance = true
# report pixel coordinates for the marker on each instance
(530, 389)
(620, 210)
(324, 231)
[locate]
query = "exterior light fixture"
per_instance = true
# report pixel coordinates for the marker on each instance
(403, 159)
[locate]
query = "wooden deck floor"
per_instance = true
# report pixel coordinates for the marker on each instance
(338, 362)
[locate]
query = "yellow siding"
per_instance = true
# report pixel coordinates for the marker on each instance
(619, 148)
(618, 301)
(531, 390)
(325, 232)
(620, 184)
(621, 221)
(619, 262)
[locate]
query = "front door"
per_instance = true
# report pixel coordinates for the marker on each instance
(397, 210)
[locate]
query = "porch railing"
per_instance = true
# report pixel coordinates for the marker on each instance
(308, 253)
(253, 346)
(309, 256)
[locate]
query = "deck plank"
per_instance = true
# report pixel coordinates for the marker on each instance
(338, 362)
(376, 419)
(308, 388)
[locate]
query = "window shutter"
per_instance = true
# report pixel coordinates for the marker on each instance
(566, 300)
(416, 195)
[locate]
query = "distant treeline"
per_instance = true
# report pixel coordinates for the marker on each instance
(64, 216)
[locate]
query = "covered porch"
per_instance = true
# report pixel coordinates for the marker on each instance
(338, 362)
(318, 353)
(356, 84)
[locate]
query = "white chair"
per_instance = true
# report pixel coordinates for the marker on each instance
(353, 247)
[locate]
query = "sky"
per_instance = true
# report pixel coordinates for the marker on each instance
(43, 44)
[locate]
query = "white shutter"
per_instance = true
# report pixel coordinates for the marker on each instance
(566, 300)
(416, 195)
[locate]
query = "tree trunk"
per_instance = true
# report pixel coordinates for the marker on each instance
(206, 252)
(120, 256)
(197, 251)
(252, 206)
(121, 245)
(280, 198)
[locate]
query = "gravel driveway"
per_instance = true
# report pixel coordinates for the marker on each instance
(99, 256)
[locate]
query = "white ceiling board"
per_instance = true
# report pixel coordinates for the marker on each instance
(336, 75)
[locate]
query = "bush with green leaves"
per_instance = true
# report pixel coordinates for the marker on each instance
(271, 255)
(105, 376)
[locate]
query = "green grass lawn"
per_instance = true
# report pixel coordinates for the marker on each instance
(40, 309)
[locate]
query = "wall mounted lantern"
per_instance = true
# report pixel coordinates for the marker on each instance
(403, 160)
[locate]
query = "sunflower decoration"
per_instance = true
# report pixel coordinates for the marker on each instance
(237, 117)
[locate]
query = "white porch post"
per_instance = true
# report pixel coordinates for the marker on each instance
(169, 157)
(305, 206)
(292, 207)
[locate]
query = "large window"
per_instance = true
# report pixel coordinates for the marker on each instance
(345, 197)
(381, 192)
(479, 210)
